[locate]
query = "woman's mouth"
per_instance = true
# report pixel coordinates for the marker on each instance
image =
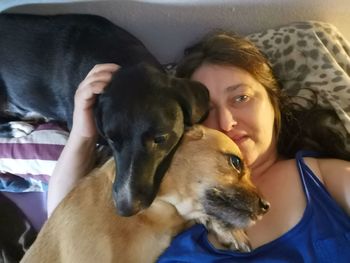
(240, 139)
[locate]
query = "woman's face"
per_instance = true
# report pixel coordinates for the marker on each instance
(241, 108)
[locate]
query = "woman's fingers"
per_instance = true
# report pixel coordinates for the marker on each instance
(94, 83)
(85, 96)
(107, 67)
(103, 74)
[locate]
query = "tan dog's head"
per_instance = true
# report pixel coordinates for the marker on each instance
(209, 182)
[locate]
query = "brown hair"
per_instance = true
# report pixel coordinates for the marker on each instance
(226, 48)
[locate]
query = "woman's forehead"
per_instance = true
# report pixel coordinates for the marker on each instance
(223, 73)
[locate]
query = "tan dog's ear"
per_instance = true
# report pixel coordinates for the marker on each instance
(195, 132)
(193, 97)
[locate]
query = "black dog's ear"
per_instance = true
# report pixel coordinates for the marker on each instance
(193, 97)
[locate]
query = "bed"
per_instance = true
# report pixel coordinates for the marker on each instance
(305, 55)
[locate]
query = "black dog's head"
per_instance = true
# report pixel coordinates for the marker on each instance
(142, 114)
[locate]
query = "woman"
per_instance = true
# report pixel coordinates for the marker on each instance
(245, 105)
(310, 204)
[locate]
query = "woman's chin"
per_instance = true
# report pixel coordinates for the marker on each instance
(250, 156)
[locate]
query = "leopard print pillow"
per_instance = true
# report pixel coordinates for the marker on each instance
(311, 55)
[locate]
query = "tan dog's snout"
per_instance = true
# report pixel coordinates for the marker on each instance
(252, 197)
(264, 205)
(231, 206)
(234, 201)
(235, 207)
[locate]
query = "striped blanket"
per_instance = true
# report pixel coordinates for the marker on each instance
(27, 162)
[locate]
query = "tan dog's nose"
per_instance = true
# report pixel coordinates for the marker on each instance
(264, 205)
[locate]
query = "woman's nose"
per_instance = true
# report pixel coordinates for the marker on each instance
(226, 120)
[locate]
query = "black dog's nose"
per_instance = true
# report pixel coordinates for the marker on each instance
(127, 206)
(126, 209)
(264, 205)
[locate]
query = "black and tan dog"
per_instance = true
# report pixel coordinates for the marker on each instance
(142, 113)
(207, 182)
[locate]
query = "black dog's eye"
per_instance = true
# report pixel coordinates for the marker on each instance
(236, 163)
(110, 141)
(160, 138)
(115, 144)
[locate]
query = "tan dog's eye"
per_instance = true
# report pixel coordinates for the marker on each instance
(236, 163)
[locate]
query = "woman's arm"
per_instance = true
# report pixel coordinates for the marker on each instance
(336, 177)
(77, 157)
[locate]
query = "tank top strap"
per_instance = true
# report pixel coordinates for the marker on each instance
(314, 189)
(306, 175)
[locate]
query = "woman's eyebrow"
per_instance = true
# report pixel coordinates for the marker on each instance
(236, 86)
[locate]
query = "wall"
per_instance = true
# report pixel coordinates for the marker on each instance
(166, 27)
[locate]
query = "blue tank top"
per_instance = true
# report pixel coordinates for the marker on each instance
(322, 235)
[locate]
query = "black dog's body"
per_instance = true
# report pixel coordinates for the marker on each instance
(44, 58)
(141, 114)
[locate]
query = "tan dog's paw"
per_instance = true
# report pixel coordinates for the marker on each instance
(240, 241)
(230, 239)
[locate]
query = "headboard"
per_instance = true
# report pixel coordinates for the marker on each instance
(167, 26)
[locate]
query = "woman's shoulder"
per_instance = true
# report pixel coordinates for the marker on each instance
(323, 168)
(330, 168)
(291, 164)
(335, 176)
(327, 169)
(289, 168)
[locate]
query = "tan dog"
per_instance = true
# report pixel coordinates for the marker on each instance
(206, 182)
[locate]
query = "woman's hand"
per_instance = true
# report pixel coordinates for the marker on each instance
(85, 96)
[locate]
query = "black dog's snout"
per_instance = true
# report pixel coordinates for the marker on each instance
(264, 205)
(131, 198)
(128, 208)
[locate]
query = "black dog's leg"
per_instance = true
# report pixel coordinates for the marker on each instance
(13, 127)
(10, 125)
(6, 131)
(16, 232)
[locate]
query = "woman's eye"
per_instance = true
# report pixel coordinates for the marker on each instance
(241, 98)
(236, 163)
